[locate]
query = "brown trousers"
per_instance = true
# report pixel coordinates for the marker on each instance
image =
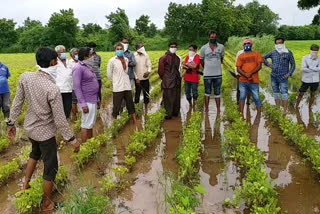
(172, 100)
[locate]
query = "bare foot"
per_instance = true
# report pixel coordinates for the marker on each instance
(26, 185)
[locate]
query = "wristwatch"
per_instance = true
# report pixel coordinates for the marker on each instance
(9, 123)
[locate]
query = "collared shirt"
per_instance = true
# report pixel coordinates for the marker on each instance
(71, 63)
(143, 65)
(117, 75)
(64, 77)
(310, 69)
(44, 114)
(85, 84)
(95, 64)
(280, 64)
(4, 75)
(212, 60)
(132, 63)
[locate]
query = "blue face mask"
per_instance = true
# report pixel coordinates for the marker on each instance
(76, 57)
(63, 56)
(119, 52)
(213, 41)
(247, 47)
(91, 50)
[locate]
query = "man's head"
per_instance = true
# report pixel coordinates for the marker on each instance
(74, 53)
(173, 46)
(46, 57)
(314, 49)
(212, 36)
(279, 40)
(247, 44)
(84, 53)
(193, 48)
(125, 43)
(140, 48)
(119, 49)
(61, 51)
(92, 46)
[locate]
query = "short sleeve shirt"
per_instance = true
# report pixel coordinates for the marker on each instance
(4, 75)
(212, 60)
(248, 62)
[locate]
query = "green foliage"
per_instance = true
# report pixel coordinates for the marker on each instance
(8, 35)
(107, 184)
(90, 28)
(119, 25)
(307, 4)
(307, 32)
(4, 143)
(144, 27)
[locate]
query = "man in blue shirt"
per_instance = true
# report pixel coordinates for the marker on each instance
(4, 90)
(283, 66)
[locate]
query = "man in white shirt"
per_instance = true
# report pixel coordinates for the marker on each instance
(141, 72)
(310, 75)
(64, 79)
(117, 72)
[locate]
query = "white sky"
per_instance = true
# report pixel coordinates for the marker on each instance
(94, 11)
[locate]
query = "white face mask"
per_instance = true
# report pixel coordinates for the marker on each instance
(192, 54)
(173, 50)
(52, 71)
(314, 54)
(280, 48)
(125, 46)
(142, 50)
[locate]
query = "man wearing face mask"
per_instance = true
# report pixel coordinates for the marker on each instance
(44, 116)
(310, 75)
(132, 61)
(283, 66)
(117, 72)
(248, 65)
(191, 77)
(71, 63)
(64, 79)
(211, 57)
(142, 71)
(86, 87)
(169, 71)
(95, 64)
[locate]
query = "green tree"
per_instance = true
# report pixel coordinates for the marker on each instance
(34, 38)
(264, 20)
(62, 28)
(8, 35)
(91, 28)
(29, 23)
(119, 25)
(142, 24)
(152, 31)
(316, 19)
(307, 4)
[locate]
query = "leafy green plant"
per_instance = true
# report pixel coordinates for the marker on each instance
(107, 183)
(4, 143)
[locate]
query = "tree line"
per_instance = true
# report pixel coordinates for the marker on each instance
(184, 23)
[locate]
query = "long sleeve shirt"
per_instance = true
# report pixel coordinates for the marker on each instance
(310, 69)
(282, 64)
(132, 63)
(117, 75)
(143, 65)
(85, 84)
(64, 77)
(44, 114)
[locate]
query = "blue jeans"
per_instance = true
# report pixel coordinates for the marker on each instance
(188, 86)
(279, 86)
(212, 82)
(244, 87)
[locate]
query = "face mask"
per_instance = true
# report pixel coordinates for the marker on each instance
(213, 41)
(63, 56)
(192, 54)
(52, 71)
(247, 48)
(91, 50)
(142, 50)
(280, 47)
(119, 53)
(88, 61)
(314, 54)
(125, 46)
(76, 57)
(173, 50)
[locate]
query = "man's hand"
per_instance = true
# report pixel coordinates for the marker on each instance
(270, 66)
(85, 109)
(11, 132)
(99, 104)
(145, 75)
(138, 81)
(286, 77)
(76, 146)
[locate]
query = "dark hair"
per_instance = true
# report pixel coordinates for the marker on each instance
(122, 38)
(118, 44)
(194, 47)
(138, 44)
(44, 57)
(314, 46)
(212, 32)
(83, 52)
(92, 45)
(278, 38)
(173, 43)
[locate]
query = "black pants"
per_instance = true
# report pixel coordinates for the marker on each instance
(118, 97)
(67, 103)
(47, 150)
(99, 92)
(145, 84)
(172, 100)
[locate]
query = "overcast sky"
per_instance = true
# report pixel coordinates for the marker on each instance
(94, 11)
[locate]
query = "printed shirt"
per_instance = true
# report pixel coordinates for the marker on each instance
(193, 76)
(4, 75)
(132, 63)
(117, 75)
(143, 65)
(280, 64)
(212, 60)
(85, 84)
(44, 114)
(310, 69)
(248, 62)
(64, 77)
